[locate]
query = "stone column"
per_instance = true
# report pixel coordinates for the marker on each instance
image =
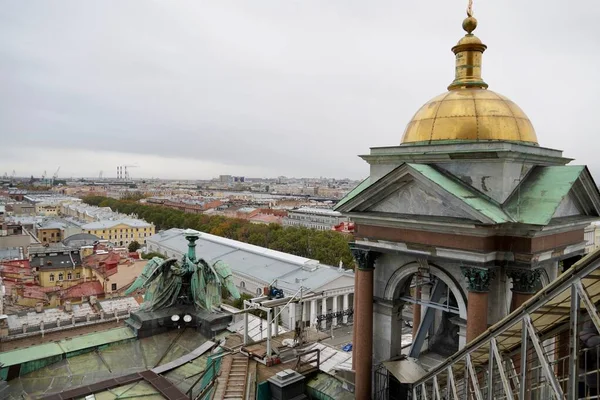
(313, 313)
(334, 309)
(363, 320)
(416, 308)
(345, 303)
(324, 312)
(478, 283)
(525, 282)
(355, 300)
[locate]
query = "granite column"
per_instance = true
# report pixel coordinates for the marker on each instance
(363, 320)
(478, 284)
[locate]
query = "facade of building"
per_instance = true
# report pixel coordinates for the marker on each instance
(58, 266)
(468, 216)
(22, 209)
(121, 232)
(47, 210)
(326, 289)
(314, 218)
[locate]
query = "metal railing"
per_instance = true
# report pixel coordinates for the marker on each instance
(549, 348)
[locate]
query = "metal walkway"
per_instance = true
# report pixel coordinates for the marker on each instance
(549, 348)
(234, 376)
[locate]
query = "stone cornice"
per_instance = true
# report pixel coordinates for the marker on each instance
(473, 152)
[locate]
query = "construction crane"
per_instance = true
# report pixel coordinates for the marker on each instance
(55, 175)
(44, 175)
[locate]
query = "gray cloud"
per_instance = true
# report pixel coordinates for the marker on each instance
(274, 87)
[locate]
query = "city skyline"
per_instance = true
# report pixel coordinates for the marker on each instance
(193, 90)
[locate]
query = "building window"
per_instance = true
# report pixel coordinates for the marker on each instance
(258, 291)
(113, 286)
(51, 277)
(242, 284)
(60, 276)
(78, 275)
(69, 276)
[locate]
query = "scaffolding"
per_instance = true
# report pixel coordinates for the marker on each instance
(549, 348)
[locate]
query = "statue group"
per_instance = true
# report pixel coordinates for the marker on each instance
(188, 282)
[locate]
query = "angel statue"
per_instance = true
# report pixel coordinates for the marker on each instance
(192, 281)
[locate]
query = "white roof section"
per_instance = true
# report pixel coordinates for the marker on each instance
(331, 359)
(257, 328)
(107, 224)
(317, 211)
(257, 263)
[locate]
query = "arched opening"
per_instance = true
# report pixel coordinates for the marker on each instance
(432, 295)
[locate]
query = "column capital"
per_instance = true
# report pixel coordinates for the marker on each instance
(478, 279)
(524, 280)
(365, 258)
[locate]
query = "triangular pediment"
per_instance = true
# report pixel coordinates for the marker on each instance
(414, 198)
(422, 190)
(568, 207)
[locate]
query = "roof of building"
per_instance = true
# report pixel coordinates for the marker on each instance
(256, 263)
(80, 239)
(540, 195)
(534, 201)
(62, 259)
(107, 224)
(317, 211)
(85, 289)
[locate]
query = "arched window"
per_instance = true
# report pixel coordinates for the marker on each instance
(243, 284)
(51, 277)
(258, 291)
(60, 276)
(69, 276)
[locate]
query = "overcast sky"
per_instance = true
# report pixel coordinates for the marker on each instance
(194, 89)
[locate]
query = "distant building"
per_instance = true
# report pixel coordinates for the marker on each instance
(121, 232)
(57, 266)
(22, 208)
(314, 218)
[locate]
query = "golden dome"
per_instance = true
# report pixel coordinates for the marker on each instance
(469, 111)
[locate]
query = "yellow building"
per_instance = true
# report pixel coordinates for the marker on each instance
(49, 235)
(59, 267)
(47, 209)
(121, 232)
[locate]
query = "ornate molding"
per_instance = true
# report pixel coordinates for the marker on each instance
(524, 280)
(365, 258)
(478, 279)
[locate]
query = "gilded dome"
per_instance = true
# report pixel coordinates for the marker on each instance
(469, 111)
(473, 114)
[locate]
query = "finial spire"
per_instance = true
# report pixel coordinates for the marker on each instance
(469, 51)
(470, 9)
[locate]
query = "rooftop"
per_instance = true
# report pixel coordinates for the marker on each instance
(318, 211)
(255, 262)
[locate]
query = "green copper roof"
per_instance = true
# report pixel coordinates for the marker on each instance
(538, 197)
(473, 199)
(65, 346)
(354, 192)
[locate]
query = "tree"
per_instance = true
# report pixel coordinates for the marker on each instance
(329, 247)
(152, 254)
(134, 246)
